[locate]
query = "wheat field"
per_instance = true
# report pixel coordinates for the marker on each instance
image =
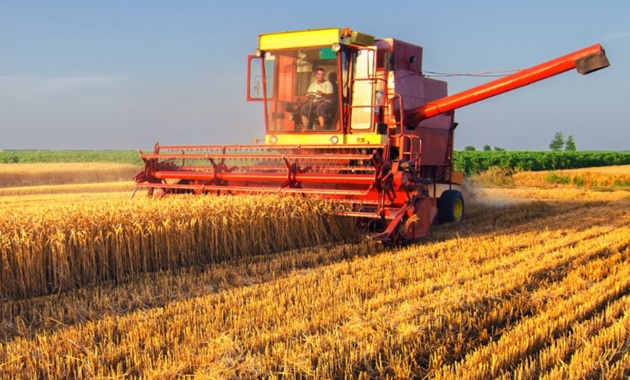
(40, 174)
(598, 178)
(534, 283)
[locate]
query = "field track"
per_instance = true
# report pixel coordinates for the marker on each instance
(535, 283)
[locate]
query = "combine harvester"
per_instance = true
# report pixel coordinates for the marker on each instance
(385, 143)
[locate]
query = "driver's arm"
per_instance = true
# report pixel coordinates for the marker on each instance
(325, 95)
(328, 91)
(310, 93)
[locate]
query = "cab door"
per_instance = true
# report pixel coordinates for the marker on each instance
(363, 90)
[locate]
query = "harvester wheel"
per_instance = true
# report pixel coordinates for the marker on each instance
(450, 207)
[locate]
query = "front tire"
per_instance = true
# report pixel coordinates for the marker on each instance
(450, 207)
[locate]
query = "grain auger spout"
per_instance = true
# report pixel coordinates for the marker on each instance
(586, 61)
(351, 119)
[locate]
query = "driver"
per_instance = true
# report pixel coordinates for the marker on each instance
(320, 91)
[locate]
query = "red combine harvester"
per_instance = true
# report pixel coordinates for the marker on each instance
(380, 140)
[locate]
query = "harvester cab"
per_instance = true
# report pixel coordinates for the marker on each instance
(351, 119)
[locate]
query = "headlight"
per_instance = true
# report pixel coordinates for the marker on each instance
(273, 139)
(334, 139)
(336, 47)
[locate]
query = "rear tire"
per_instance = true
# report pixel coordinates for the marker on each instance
(450, 207)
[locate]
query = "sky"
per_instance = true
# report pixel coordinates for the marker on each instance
(123, 74)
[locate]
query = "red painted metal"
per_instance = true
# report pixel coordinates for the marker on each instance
(355, 179)
(387, 185)
(508, 83)
(346, 194)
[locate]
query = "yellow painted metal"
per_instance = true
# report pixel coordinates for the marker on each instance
(302, 38)
(311, 37)
(458, 210)
(359, 38)
(324, 139)
(368, 138)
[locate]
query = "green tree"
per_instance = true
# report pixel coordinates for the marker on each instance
(470, 148)
(499, 149)
(557, 143)
(487, 148)
(569, 145)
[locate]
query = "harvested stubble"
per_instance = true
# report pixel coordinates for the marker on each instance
(77, 188)
(596, 178)
(65, 247)
(544, 296)
(40, 174)
(602, 178)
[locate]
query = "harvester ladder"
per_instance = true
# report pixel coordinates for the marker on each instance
(410, 149)
(397, 122)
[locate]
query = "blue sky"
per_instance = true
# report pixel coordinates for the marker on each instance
(125, 74)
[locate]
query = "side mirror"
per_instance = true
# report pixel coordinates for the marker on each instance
(254, 78)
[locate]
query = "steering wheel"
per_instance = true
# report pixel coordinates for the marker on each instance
(311, 95)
